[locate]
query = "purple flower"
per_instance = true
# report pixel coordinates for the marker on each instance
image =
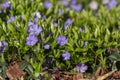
(112, 4)
(3, 44)
(31, 40)
(47, 5)
(82, 68)
(36, 19)
(62, 40)
(34, 29)
(2, 49)
(30, 24)
(66, 55)
(11, 19)
(67, 23)
(55, 24)
(6, 5)
(73, 1)
(46, 46)
(77, 7)
(60, 11)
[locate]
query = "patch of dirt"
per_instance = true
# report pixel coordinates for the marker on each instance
(15, 73)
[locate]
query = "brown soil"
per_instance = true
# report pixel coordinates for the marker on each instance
(14, 73)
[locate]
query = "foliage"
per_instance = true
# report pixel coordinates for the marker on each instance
(88, 35)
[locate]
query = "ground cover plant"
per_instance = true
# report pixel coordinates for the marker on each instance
(42, 39)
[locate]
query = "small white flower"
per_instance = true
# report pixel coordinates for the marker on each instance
(93, 5)
(37, 14)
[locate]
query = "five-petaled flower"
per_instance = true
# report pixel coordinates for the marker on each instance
(11, 19)
(6, 5)
(34, 29)
(46, 46)
(31, 40)
(66, 55)
(82, 68)
(68, 22)
(76, 7)
(62, 40)
(47, 5)
(112, 4)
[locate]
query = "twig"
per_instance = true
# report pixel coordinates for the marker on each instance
(106, 75)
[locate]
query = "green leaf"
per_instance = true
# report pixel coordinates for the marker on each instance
(100, 51)
(11, 28)
(114, 57)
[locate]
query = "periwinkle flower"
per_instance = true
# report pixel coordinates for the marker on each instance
(30, 23)
(6, 5)
(55, 24)
(3, 44)
(82, 68)
(46, 46)
(47, 5)
(68, 22)
(62, 40)
(34, 29)
(37, 15)
(60, 11)
(93, 5)
(36, 19)
(66, 55)
(73, 1)
(112, 4)
(31, 40)
(11, 19)
(77, 7)
(2, 49)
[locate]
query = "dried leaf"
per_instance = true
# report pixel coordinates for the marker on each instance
(14, 73)
(78, 76)
(99, 72)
